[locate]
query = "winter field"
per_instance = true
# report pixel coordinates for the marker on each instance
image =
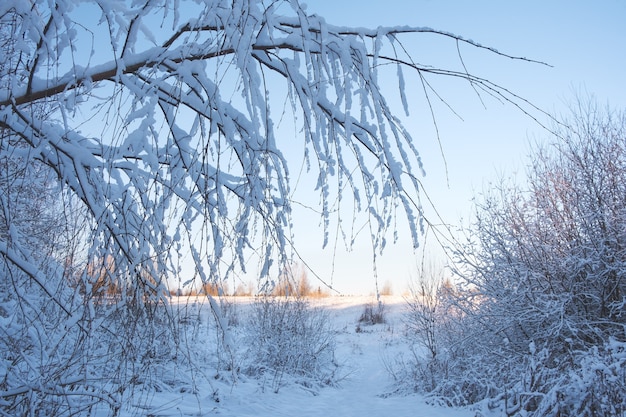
(149, 148)
(363, 386)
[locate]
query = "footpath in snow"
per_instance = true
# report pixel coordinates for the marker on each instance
(363, 391)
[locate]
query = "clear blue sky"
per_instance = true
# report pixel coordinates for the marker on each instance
(583, 41)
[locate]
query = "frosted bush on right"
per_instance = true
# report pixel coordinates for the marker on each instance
(540, 296)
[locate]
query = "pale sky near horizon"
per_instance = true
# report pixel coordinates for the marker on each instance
(584, 44)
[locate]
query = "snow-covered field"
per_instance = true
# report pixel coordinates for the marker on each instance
(364, 387)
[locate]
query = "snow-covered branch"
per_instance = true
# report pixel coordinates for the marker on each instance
(164, 122)
(161, 134)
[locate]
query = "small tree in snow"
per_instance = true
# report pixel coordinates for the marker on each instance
(426, 307)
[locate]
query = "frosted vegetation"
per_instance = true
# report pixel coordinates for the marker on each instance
(535, 325)
(138, 138)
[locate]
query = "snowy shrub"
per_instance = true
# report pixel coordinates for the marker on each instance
(373, 314)
(286, 336)
(428, 320)
(536, 324)
(583, 383)
(230, 311)
(427, 310)
(42, 351)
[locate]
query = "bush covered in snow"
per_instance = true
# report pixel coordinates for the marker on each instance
(537, 324)
(373, 313)
(286, 336)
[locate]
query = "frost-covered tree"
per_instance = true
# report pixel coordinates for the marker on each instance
(40, 240)
(166, 133)
(164, 119)
(542, 299)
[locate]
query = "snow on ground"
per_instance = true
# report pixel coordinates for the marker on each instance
(364, 390)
